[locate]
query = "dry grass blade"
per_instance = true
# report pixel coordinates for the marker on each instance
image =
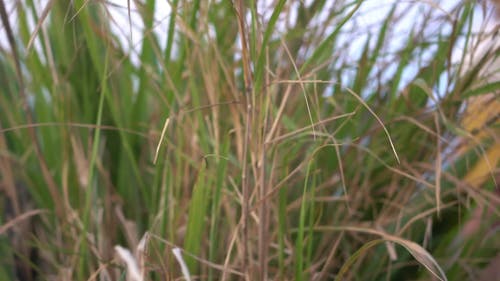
(51, 184)
(20, 218)
(421, 126)
(287, 106)
(298, 131)
(297, 72)
(279, 115)
(133, 271)
(360, 101)
(79, 10)
(224, 268)
(43, 16)
(165, 126)
(417, 251)
(421, 255)
(423, 215)
(141, 252)
(378, 119)
(240, 10)
(178, 256)
(74, 125)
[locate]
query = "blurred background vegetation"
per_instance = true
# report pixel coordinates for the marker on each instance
(278, 140)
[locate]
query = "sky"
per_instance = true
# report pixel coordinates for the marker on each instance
(367, 19)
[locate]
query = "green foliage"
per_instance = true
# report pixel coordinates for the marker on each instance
(286, 157)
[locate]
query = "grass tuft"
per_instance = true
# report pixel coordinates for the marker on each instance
(300, 140)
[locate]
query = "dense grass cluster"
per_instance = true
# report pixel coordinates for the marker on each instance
(258, 139)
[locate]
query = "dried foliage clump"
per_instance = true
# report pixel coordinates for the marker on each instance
(249, 140)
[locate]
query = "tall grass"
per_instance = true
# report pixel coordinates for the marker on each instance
(267, 141)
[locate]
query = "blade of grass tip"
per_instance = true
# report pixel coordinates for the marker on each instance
(404, 61)
(378, 120)
(322, 48)
(184, 36)
(147, 58)
(362, 102)
(178, 256)
(170, 33)
(253, 32)
(162, 136)
(261, 61)
(421, 255)
(369, 57)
